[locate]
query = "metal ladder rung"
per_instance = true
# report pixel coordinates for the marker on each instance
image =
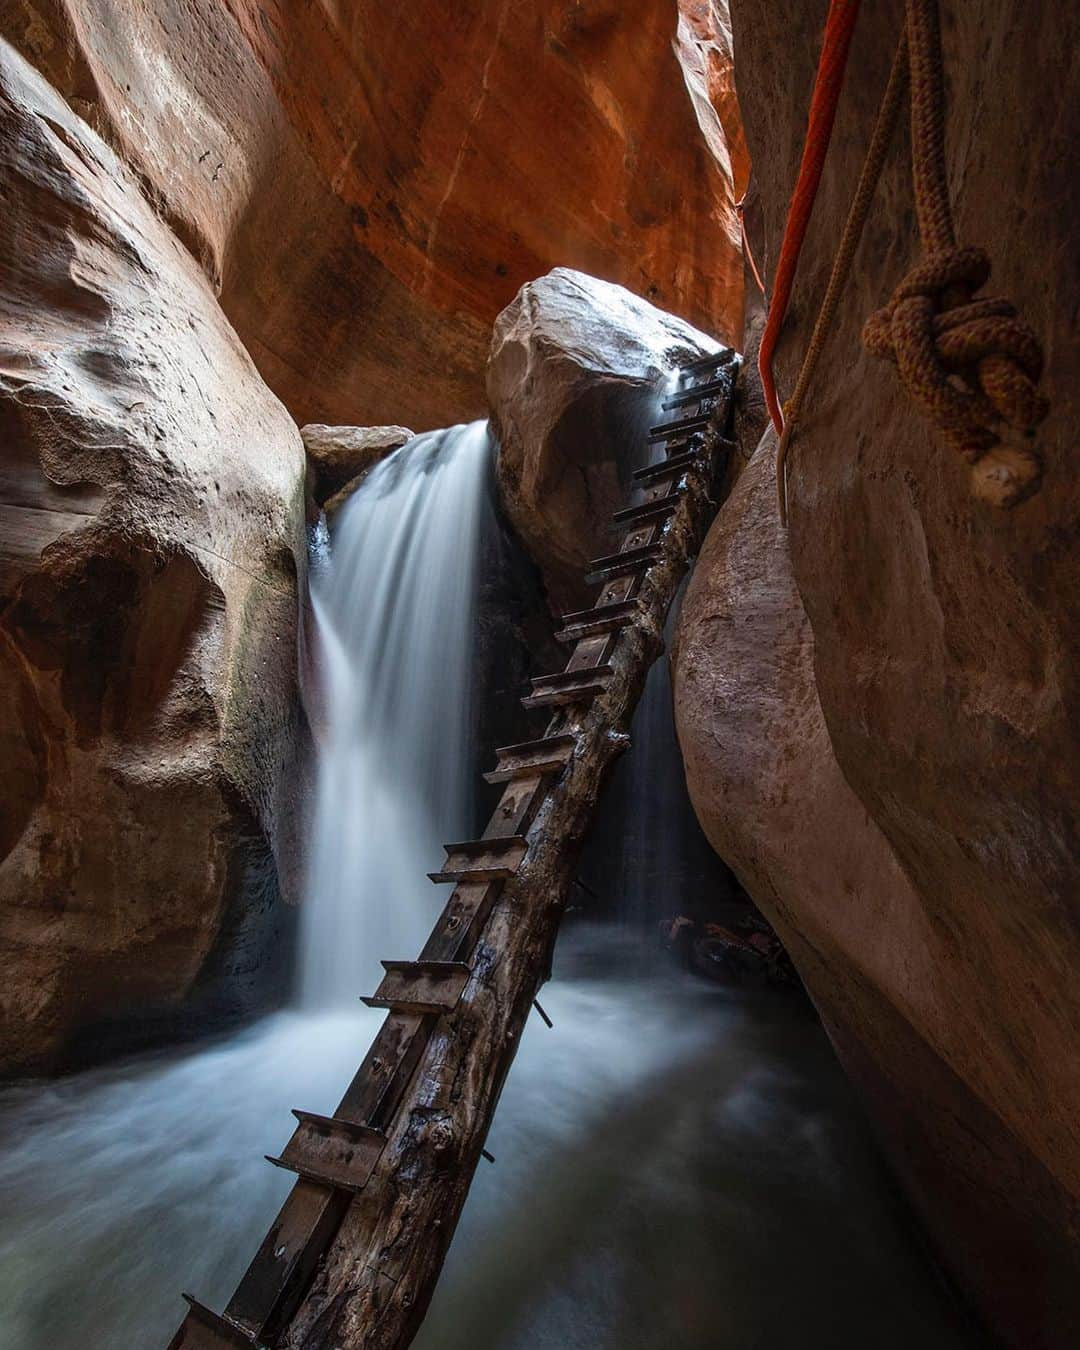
(569, 687)
(684, 427)
(710, 389)
(721, 358)
(204, 1329)
(673, 465)
(659, 509)
(585, 623)
(331, 1151)
(482, 859)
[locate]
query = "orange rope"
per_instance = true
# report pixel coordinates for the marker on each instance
(839, 27)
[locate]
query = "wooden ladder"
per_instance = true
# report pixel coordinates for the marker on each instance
(354, 1253)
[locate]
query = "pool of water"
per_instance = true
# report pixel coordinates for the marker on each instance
(677, 1165)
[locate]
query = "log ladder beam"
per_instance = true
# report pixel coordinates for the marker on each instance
(356, 1247)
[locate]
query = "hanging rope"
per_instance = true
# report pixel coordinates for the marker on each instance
(740, 211)
(839, 26)
(971, 365)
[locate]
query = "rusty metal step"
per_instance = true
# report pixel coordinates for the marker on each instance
(420, 986)
(568, 687)
(482, 859)
(203, 1329)
(648, 513)
(622, 564)
(710, 389)
(672, 466)
(332, 1152)
(585, 623)
(721, 358)
(669, 430)
(547, 756)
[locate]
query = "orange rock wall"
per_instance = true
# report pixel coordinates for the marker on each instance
(944, 662)
(370, 184)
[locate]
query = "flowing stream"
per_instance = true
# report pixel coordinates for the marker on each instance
(677, 1165)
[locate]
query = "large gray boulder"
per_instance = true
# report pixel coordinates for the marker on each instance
(574, 379)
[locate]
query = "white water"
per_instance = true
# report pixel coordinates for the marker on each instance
(396, 614)
(676, 1167)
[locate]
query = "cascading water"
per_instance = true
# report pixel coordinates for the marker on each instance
(395, 603)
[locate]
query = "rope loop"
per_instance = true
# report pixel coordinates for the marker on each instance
(971, 365)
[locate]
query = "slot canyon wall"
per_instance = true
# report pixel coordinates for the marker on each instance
(367, 186)
(878, 712)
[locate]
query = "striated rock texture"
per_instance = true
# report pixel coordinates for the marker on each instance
(152, 516)
(574, 379)
(370, 184)
(945, 642)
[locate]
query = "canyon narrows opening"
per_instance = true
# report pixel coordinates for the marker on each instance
(665, 1134)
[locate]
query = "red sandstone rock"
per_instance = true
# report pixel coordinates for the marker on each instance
(152, 528)
(574, 381)
(945, 660)
(371, 184)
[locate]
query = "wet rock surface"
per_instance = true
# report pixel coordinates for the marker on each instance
(341, 456)
(152, 515)
(574, 379)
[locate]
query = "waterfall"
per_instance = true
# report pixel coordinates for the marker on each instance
(394, 603)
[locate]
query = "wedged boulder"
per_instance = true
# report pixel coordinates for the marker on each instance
(575, 378)
(340, 457)
(370, 184)
(152, 519)
(945, 662)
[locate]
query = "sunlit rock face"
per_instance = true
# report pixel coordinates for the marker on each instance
(370, 184)
(152, 521)
(944, 660)
(574, 379)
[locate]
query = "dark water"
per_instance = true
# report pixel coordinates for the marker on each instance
(680, 1165)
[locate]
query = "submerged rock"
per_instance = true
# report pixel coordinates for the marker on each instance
(153, 528)
(574, 378)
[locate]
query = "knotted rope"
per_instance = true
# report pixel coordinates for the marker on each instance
(972, 365)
